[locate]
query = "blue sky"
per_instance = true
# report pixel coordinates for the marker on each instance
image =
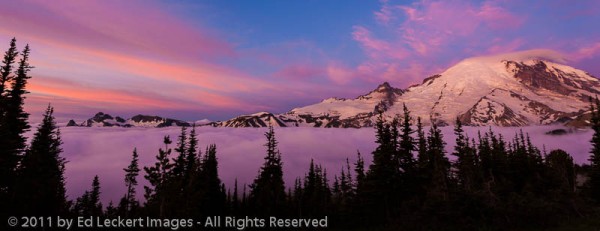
(218, 59)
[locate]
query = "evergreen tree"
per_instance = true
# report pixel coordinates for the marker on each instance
(439, 165)
(296, 206)
(347, 183)
(112, 211)
(359, 169)
(207, 194)
(407, 144)
(131, 173)
(89, 203)
(159, 177)
(11, 139)
(382, 181)
(316, 194)
(466, 164)
(484, 150)
(181, 148)
(95, 196)
(191, 158)
(6, 72)
(422, 157)
(41, 188)
(594, 175)
(15, 118)
(235, 202)
(267, 192)
(561, 171)
(408, 184)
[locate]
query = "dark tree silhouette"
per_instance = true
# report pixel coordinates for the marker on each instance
(159, 177)
(13, 121)
(89, 203)
(132, 171)
(267, 192)
(41, 188)
(594, 175)
(207, 193)
(467, 164)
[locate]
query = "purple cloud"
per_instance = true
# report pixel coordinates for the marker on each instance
(240, 151)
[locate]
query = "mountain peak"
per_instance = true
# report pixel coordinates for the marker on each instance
(386, 89)
(384, 85)
(513, 89)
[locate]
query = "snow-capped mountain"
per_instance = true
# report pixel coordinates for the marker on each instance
(105, 120)
(517, 89)
(332, 112)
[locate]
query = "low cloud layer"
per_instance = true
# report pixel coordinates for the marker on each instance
(240, 151)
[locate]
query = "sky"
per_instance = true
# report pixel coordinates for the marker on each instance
(217, 59)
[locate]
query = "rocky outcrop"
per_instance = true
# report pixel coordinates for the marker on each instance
(72, 123)
(105, 120)
(488, 111)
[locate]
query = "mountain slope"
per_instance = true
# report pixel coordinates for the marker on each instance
(517, 89)
(497, 91)
(105, 120)
(332, 112)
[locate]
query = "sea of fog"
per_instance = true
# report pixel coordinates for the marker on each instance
(240, 151)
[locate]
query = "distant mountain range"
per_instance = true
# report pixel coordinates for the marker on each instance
(505, 90)
(106, 120)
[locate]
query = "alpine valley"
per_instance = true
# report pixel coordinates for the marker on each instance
(516, 89)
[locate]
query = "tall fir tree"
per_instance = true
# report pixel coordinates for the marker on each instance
(9, 143)
(422, 157)
(89, 203)
(6, 71)
(159, 177)
(439, 165)
(379, 193)
(594, 176)
(15, 117)
(316, 194)
(407, 143)
(359, 170)
(408, 175)
(191, 155)
(466, 164)
(181, 149)
(267, 192)
(131, 173)
(208, 194)
(41, 188)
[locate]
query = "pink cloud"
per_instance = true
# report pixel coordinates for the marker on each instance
(385, 14)
(586, 52)
(431, 25)
(108, 25)
(339, 73)
(377, 48)
(497, 17)
(98, 49)
(61, 88)
(418, 34)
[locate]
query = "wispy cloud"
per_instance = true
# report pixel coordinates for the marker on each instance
(152, 60)
(109, 25)
(413, 40)
(153, 52)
